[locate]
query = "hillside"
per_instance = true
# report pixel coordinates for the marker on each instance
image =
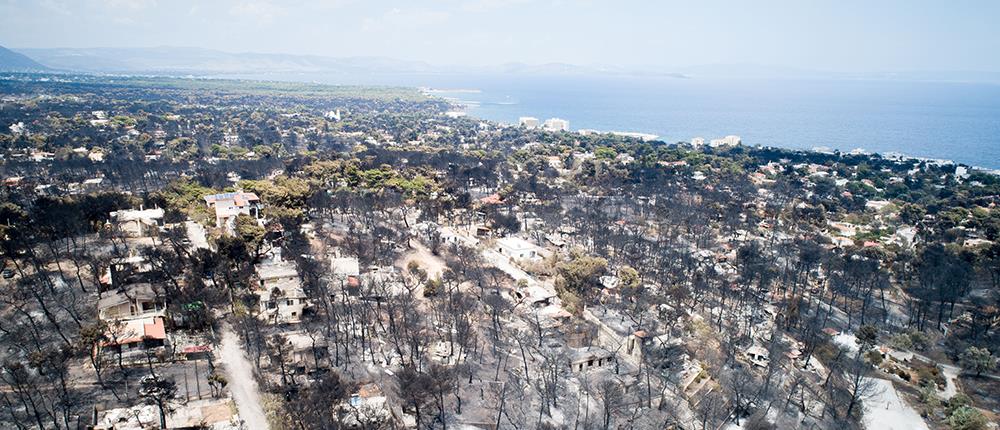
(11, 61)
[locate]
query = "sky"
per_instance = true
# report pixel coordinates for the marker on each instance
(828, 35)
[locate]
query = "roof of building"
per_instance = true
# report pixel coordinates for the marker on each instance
(345, 266)
(134, 214)
(516, 244)
(289, 290)
(138, 329)
(238, 198)
(492, 199)
(276, 270)
(142, 291)
(758, 351)
(589, 353)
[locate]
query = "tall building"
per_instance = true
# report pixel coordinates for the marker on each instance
(528, 122)
(556, 124)
(730, 140)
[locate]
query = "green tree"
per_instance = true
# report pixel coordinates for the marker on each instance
(977, 360)
(250, 232)
(580, 275)
(628, 278)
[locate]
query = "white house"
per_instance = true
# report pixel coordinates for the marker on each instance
(730, 140)
(137, 223)
(584, 359)
(282, 299)
(515, 247)
(556, 124)
(134, 301)
(527, 122)
(228, 205)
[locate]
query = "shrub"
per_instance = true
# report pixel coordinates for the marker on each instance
(874, 357)
(901, 342)
(967, 418)
(919, 340)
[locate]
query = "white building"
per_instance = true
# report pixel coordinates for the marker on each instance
(515, 247)
(961, 172)
(527, 122)
(698, 142)
(556, 124)
(730, 140)
(17, 129)
(137, 223)
(228, 205)
(282, 298)
(345, 266)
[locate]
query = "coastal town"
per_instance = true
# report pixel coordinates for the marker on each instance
(216, 254)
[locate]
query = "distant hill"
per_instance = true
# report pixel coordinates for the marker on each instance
(197, 61)
(173, 60)
(11, 61)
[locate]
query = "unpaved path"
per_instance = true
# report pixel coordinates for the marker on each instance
(885, 410)
(243, 386)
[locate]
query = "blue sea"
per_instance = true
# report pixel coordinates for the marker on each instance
(954, 121)
(940, 120)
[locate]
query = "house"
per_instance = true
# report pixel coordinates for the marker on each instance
(365, 407)
(308, 355)
(515, 247)
(228, 205)
(555, 241)
(587, 358)
(450, 236)
(553, 316)
(135, 337)
(282, 299)
(757, 355)
(483, 231)
(618, 333)
(126, 270)
(490, 200)
(345, 266)
(137, 223)
(535, 295)
(346, 271)
(92, 183)
(136, 300)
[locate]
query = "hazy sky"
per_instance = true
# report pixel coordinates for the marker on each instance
(836, 35)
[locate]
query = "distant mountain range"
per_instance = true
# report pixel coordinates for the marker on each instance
(11, 61)
(177, 61)
(197, 61)
(170, 60)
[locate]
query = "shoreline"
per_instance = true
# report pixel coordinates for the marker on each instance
(462, 105)
(649, 137)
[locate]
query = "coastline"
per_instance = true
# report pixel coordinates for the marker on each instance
(462, 105)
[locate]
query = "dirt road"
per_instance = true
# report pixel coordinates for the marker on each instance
(243, 386)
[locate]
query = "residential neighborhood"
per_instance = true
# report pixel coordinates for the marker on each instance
(249, 255)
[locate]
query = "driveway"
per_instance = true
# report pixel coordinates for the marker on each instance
(243, 386)
(196, 234)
